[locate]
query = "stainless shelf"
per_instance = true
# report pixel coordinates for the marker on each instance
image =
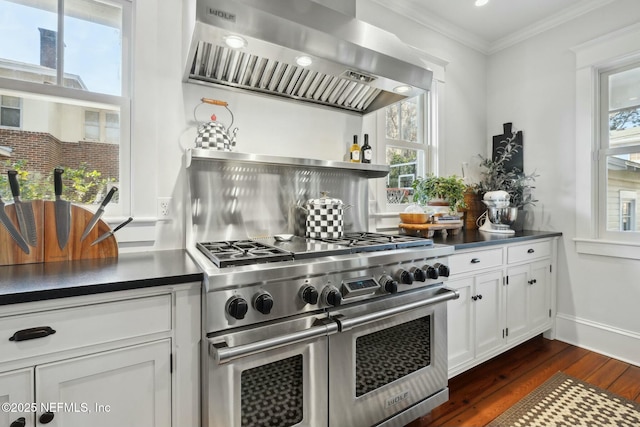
(204, 154)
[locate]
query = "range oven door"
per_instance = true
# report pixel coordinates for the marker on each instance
(273, 375)
(388, 364)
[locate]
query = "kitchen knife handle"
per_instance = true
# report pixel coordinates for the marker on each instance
(107, 199)
(214, 102)
(13, 183)
(32, 333)
(57, 181)
(122, 225)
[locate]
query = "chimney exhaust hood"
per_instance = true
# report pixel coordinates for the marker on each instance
(354, 66)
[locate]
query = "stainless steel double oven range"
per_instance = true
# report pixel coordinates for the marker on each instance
(341, 332)
(347, 332)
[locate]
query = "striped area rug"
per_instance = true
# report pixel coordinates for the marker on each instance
(567, 401)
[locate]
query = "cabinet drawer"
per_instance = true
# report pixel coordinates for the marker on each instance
(528, 252)
(473, 261)
(84, 326)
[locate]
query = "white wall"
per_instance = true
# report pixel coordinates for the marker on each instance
(533, 85)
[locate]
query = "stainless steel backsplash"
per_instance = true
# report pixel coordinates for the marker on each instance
(237, 196)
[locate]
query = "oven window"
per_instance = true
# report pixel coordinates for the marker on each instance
(272, 394)
(390, 354)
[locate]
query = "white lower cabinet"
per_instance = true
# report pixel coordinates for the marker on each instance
(528, 299)
(102, 361)
(129, 386)
(474, 319)
(507, 295)
(16, 389)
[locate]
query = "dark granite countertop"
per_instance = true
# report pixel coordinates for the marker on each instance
(467, 239)
(35, 282)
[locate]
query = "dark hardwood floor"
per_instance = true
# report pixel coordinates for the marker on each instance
(479, 395)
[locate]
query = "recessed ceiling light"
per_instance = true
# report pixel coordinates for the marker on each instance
(304, 60)
(235, 42)
(402, 89)
(481, 2)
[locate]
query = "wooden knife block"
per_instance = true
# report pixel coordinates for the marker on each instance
(47, 249)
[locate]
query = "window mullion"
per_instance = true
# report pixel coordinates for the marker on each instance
(60, 45)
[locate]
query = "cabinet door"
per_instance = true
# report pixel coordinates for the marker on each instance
(517, 304)
(126, 387)
(460, 323)
(16, 388)
(488, 308)
(540, 294)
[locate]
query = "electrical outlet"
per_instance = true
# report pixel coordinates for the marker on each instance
(164, 207)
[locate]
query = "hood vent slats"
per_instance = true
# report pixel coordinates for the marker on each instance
(222, 65)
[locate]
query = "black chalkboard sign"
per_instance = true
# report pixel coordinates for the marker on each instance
(500, 141)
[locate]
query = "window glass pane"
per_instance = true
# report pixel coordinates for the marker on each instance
(404, 166)
(409, 120)
(112, 127)
(92, 125)
(623, 187)
(10, 117)
(624, 107)
(93, 46)
(10, 101)
(27, 57)
(392, 114)
(53, 136)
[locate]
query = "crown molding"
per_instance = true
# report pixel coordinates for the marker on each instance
(456, 33)
(547, 24)
(437, 24)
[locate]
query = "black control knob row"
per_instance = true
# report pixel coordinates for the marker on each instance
(388, 284)
(419, 274)
(432, 272)
(263, 303)
(443, 270)
(405, 277)
(309, 295)
(237, 307)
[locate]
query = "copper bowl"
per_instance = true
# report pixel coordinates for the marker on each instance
(414, 218)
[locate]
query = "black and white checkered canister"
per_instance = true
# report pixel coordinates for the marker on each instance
(325, 222)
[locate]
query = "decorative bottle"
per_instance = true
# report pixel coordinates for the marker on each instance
(355, 150)
(366, 152)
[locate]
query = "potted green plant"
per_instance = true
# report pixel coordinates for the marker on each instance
(495, 176)
(450, 189)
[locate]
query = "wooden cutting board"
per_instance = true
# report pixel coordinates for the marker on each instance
(47, 249)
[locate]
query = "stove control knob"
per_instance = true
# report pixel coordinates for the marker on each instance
(309, 295)
(405, 277)
(263, 303)
(419, 274)
(237, 307)
(432, 272)
(388, 284)
(443, 270)
(331, 296)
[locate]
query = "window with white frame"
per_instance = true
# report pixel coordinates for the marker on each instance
(619, 149)
(10, 111)
(404, 146)
(102, 126)
(61, 79)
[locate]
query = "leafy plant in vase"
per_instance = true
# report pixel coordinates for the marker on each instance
(433, 189)
(496, 177)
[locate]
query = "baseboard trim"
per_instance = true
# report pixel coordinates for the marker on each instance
(604, 339)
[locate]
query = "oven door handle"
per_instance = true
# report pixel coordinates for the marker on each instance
(444, 294)
(227, 354)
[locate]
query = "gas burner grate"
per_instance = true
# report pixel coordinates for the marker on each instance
(364, 241)
(242, 252)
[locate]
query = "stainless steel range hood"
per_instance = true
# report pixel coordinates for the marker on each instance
(356, 66)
